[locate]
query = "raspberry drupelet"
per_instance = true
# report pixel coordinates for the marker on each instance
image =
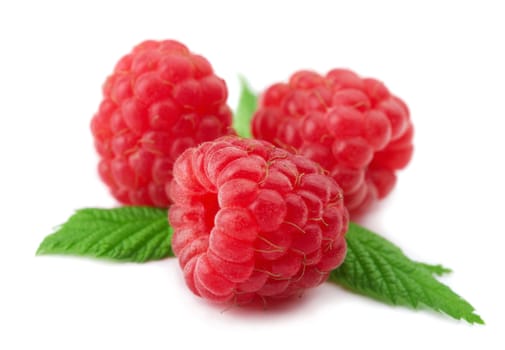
(159, 100)
(252, 221)
(353, 127)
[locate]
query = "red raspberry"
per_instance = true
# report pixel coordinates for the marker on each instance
(353, 127)
(252, 220)
(160, 100)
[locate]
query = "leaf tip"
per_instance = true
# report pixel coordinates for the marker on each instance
(40, 251)
(475, 319)
(246, 91)
(440, 270)
(243, 80)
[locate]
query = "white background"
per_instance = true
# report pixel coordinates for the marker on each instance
(445, 59)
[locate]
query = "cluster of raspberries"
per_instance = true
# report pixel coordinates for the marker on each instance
(261, 218)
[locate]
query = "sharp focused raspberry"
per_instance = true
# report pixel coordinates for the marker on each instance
(160, 100)
(353, 127)
(254, 221)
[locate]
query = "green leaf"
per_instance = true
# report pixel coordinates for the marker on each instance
(135, 234)
(247, 105)
(437, 270)
(377, 268)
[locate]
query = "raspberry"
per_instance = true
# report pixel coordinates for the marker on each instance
(160, 100)
(353, 127)
(252, 221)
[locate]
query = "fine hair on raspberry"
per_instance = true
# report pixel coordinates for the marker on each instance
(354, 127)
(160, 99)
(254, 222)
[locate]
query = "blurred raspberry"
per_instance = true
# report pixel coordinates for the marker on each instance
(159, 100)
(353, 127)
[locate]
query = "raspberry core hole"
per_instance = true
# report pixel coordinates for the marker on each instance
(211, 208)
